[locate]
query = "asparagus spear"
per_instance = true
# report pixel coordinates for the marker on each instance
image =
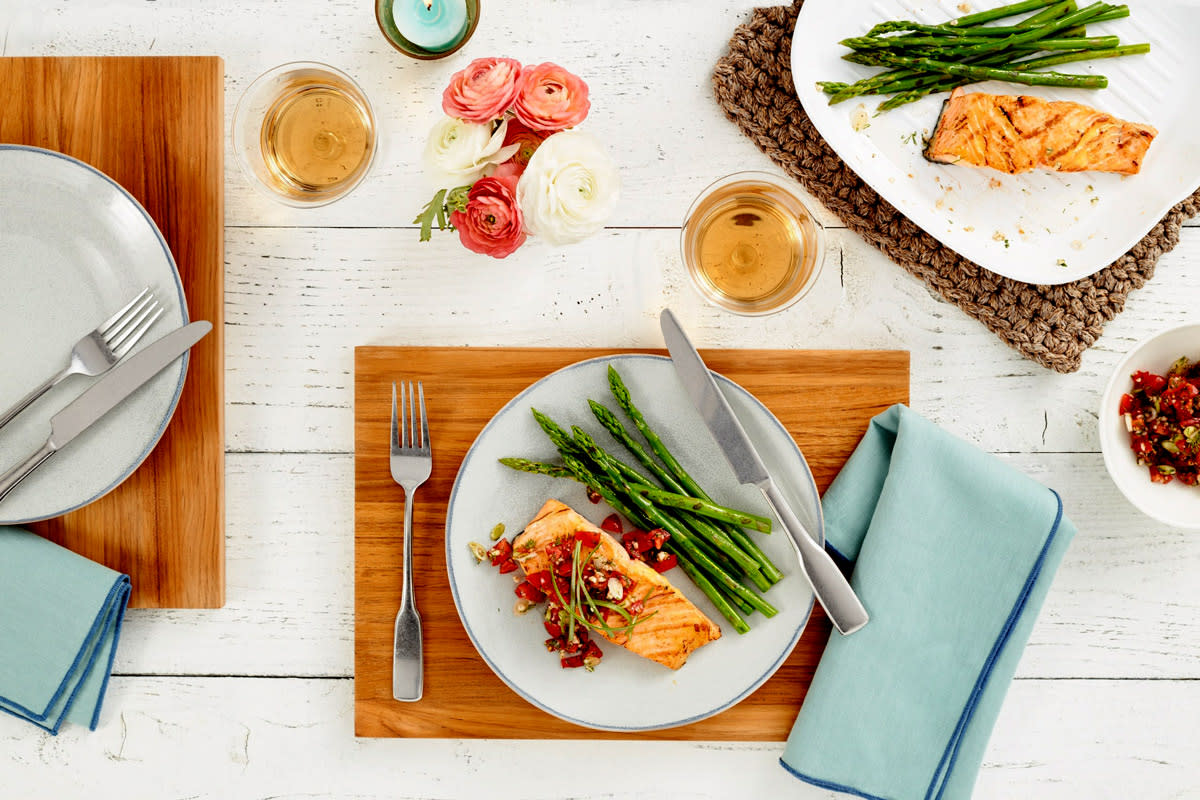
(1000, 12)
(704, 508)
(537, 467)
(614, 426)
(935, 44)
(950, 30)
(978, 73)
(1087, 55)
(621, 393)
(717, 597)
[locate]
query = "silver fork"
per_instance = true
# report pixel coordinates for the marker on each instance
(99, 350)
(412, 462)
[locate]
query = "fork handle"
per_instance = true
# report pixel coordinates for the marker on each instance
(28, 400)
(10, 479)
(407, 649)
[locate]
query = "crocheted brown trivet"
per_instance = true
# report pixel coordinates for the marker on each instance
(1051, 325)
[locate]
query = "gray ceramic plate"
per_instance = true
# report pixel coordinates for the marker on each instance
(626, 692)
(74, 248)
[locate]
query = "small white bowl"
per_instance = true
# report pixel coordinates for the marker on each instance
(1173, 503)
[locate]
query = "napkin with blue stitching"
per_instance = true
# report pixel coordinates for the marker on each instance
(953, 552)
(60, 619)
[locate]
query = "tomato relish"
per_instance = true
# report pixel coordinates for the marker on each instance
(583, 591)
(1162, 415)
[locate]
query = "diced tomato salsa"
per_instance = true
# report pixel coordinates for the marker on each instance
(1162, 415)
(582, 590)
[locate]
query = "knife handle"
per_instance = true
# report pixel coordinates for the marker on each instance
(10, 479)
(833, 591)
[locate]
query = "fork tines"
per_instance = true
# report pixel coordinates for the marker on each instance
(405, 432)
(126, 327)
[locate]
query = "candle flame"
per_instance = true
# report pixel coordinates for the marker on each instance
(429, 5)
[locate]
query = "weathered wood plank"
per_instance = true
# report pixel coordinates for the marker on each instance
(260, 738)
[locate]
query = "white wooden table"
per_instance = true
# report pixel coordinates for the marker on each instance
(255, 700)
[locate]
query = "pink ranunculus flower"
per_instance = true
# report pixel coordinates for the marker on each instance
(550, 99)
(492, 224)
(483, 91)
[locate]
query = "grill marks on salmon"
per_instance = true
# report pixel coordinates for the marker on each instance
(1018, 133)
(671, 628)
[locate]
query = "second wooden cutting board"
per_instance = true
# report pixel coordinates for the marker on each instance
(154, 125)
(823, 398)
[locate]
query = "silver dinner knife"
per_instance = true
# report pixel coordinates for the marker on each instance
(105, 395)
(832, 589)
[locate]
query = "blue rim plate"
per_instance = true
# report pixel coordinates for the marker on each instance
(74, 248)
(626, 692)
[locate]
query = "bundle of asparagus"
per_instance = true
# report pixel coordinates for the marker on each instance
(708, 539)
(924, 59)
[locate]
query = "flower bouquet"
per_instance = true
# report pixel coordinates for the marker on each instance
(507, 141)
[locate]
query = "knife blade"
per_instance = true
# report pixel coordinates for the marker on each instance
(105, 395)
(831, 588)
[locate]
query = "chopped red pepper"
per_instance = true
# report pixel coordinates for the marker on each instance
(664, 562)
(612, 524)
(637, 543)
(527, 591)
(658, 537)
(541, 579)
(500, 552)
(507, 566)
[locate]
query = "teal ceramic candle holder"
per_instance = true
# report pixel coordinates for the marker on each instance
(387, 25)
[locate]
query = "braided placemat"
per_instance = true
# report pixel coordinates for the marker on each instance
(1051, 325)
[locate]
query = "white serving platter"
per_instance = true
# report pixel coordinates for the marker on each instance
(1041, 227)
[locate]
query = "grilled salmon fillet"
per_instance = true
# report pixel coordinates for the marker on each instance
(676, 629)
(1017, 133)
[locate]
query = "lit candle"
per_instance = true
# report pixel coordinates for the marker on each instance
(434, 25)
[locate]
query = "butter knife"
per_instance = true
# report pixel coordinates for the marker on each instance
(105, 395)
(831, 588)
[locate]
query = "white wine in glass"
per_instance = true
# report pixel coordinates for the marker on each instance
(750, 245)
(306, 133)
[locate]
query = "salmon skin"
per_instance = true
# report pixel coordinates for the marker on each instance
(1018, 133)
(670, 628)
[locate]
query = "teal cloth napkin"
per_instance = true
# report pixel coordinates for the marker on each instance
(60, 618)
(953, 553)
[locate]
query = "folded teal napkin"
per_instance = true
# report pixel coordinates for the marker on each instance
(60, 618)
(953, 552)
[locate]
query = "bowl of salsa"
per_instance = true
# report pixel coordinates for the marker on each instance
(1150, 426)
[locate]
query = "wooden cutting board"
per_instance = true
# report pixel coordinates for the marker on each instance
(155, 125)
(824, 398)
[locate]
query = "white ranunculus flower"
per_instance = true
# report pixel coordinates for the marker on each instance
(465, 149)
(569, 189)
